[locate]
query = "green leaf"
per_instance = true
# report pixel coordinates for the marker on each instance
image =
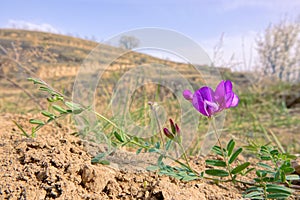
(50, 120)
(36, 81)
(151, 150)
(168, 144)
(76, 108)
(216, 172)
(272, 188)
(218, 163)
(264, 148)
(165, 172)
(55, 98)
(45, 89)
(274, 152)
(265, 158)
(217, 150)
(268, 179)
(160, 162)
(240, 168)
(48, 114)
(157, 145)
(36, 121)
(257, 180)
(288, 170)
(189, 178)
(139, 151)
(261, 173)
(235, 155)
(50, 99)
(249, 170)
(254, 195)
(136, 139)
(278, 196)
(98, 157)
(21, 128)
(290, 156)
(104, 162)
(254, 188)
(265, 166)
(72, 105)
(59, 109)
(118, 136)
(230, 147)
(293, 177)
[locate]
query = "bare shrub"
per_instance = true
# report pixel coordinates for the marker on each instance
(129, 42)
(279, 51)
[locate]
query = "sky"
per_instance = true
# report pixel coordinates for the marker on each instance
(204, 21)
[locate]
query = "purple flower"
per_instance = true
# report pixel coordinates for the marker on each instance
(175, 131)
(209, 102)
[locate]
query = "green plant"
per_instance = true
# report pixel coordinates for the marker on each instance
(273, 171)
(229, 157)
(273, 174)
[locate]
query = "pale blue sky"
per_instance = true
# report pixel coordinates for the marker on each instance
(202, 20)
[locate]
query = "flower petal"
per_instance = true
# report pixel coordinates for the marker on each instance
(206, 93)
(228, 94)
(228, 99)
(235, 100)
(220, 90)
(210, 107)
(198, 103)
(200, 99)
(188, 95)
(228, 86)
(221, 94)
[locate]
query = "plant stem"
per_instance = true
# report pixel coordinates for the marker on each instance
(181, 163)
(167, 156)
(157, 121)
(225, 181)
(109, 121)
(49, 121)
(222, 150)
(138, 144)
(184, 155)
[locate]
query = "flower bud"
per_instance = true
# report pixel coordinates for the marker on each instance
(173, 128)
(168, 134)
(177, 130)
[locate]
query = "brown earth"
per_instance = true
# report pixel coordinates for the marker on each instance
(55, 165)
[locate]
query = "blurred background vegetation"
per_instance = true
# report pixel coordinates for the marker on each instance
(269, 109)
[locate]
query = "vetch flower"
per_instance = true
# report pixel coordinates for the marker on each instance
(209, 102)
(175, 131)
(188, 95)
(168, 133)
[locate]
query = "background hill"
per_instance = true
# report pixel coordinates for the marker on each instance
(57, 59)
